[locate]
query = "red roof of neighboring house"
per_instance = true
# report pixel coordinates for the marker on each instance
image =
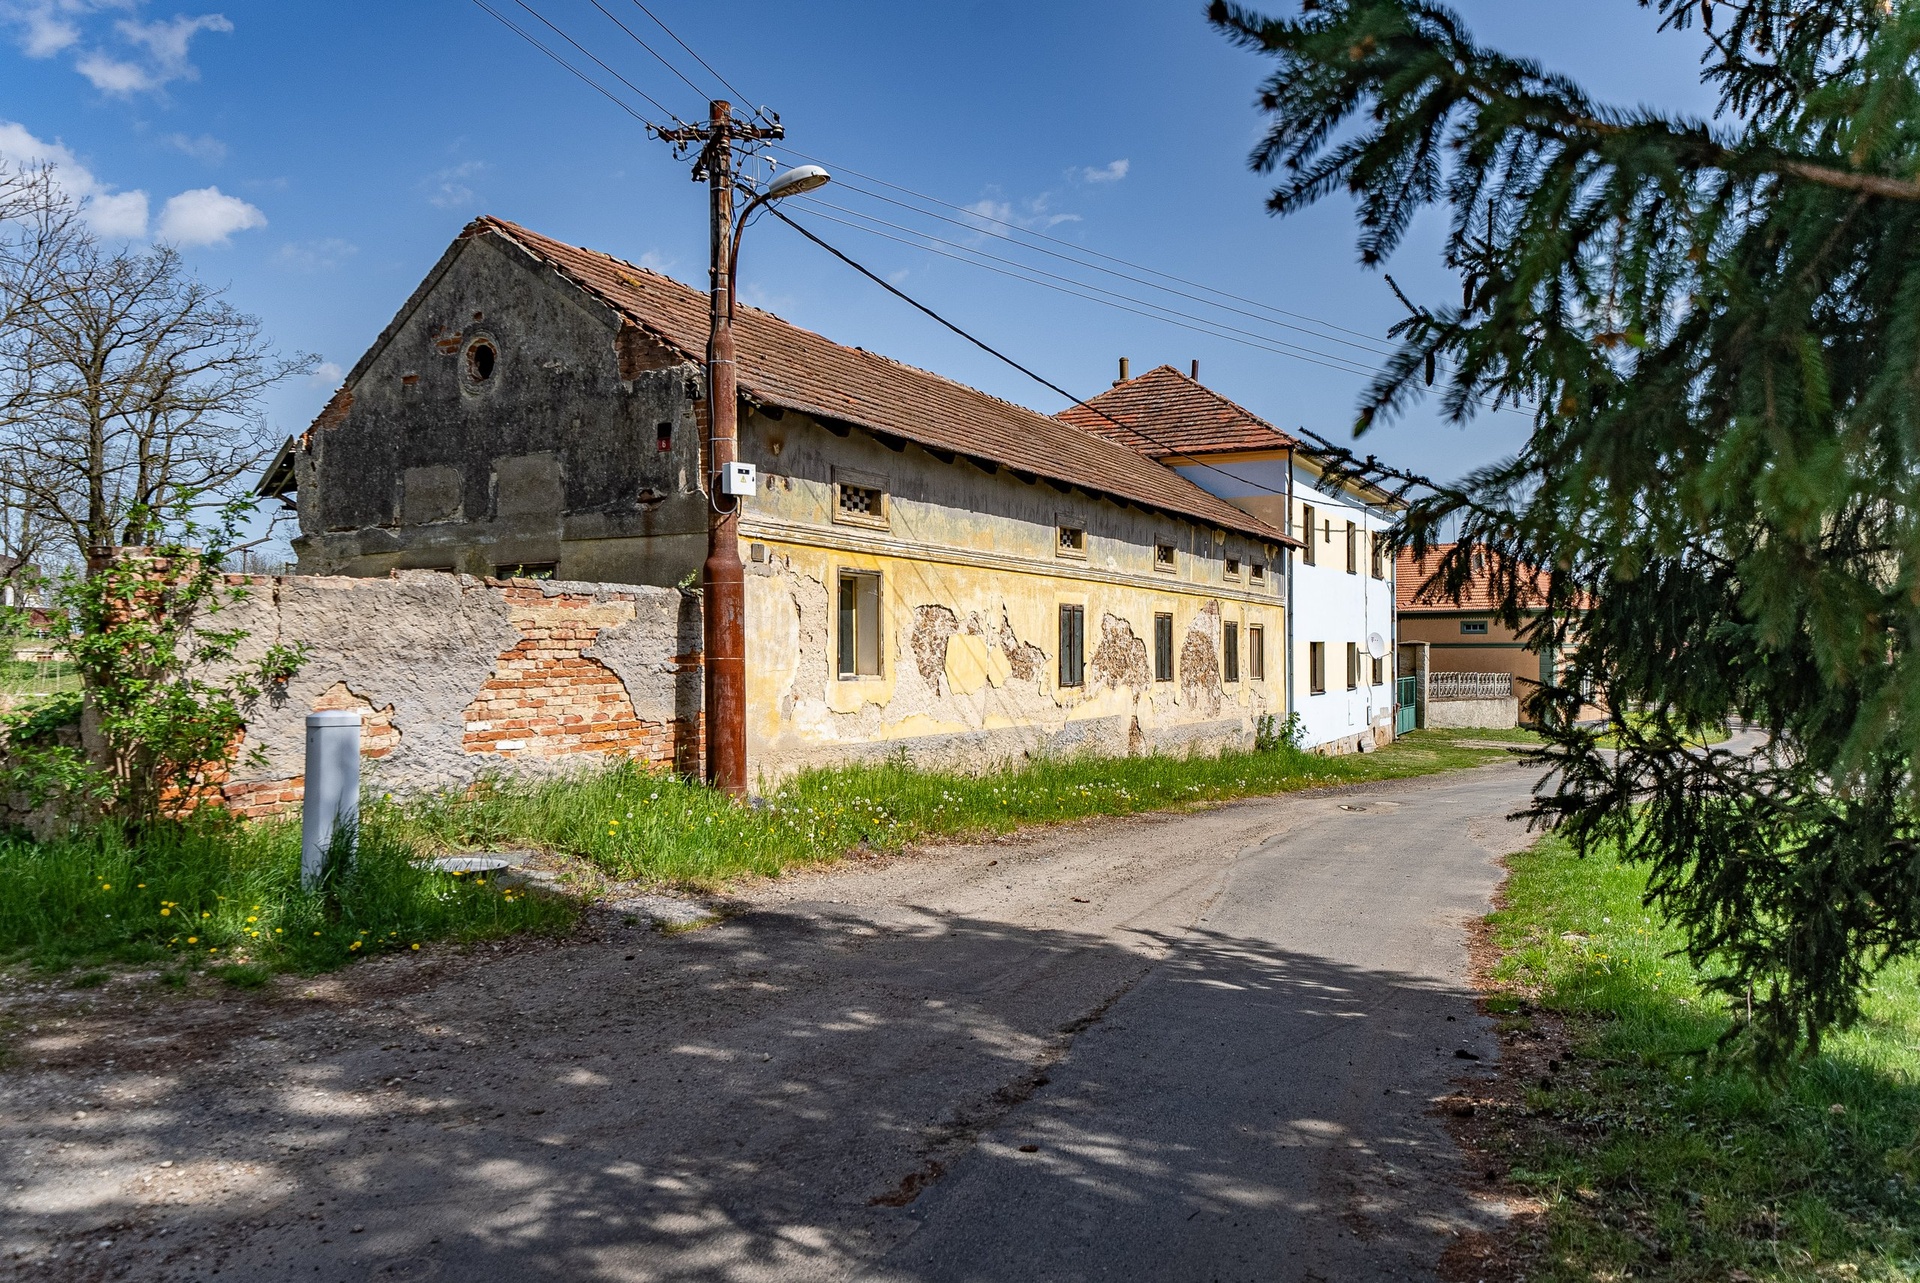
(784, 365)
(1410, 582)
(1163, 414)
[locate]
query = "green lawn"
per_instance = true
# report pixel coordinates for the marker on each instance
(226, 895)
(1659, 1160)
(635, 825)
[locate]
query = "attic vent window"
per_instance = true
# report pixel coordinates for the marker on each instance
(1233, 567)
(1257, 573)
(1073, 541)
(1163, 557)
(481, 358)
(860, 501)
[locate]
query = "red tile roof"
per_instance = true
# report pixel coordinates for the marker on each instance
(784, 365)
(1413, 598)
(1163, 414)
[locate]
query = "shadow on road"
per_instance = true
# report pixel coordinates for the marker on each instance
(790, 1093)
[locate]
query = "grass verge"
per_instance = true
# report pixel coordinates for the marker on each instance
(634, 825)
(1653, 1158)
(226, 896)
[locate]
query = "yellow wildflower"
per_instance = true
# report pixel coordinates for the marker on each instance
(416, 948)
(166, 913)
(353, 946)
(193, 939)
(106, 886)
(253, 919)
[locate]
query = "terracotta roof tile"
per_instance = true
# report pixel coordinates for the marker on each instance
(784, 365)
(1168, 415)
(1412, 597)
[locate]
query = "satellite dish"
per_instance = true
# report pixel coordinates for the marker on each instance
(1376, 646)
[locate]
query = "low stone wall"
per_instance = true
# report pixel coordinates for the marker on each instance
(1473, 714)
(459, 677)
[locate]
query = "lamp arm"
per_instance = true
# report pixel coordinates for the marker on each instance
(733, 250)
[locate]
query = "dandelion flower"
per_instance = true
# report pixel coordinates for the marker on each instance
(193, 939)
(166, 913)
(106, 886)
(253, 919)
(353, 946)
(416, 948)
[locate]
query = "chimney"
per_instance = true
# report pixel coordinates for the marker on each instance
(1123, 373)
(1195, 376)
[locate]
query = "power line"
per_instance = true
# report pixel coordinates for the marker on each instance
(697, 58)
(603, 66)
(601, 89)
(1027, 231)
(994, 352)
(635, 37)
(1215, 329)
(1372, 346)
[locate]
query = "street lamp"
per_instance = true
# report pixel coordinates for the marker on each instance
(722, 577)
(795, 182)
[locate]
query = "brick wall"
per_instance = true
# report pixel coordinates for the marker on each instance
(459, 678)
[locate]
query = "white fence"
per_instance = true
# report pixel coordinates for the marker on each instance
(1469, 686)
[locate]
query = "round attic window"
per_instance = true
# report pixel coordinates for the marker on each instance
(481, 359)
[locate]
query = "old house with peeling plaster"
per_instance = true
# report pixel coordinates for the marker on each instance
(931, 570)
(1343, 625)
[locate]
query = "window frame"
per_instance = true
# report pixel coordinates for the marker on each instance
(1256, 574)
(847, 627)
(1308, 554)
(1230, 651)
(1473, 628)
(1072, 668)
(1171, 565)
(1376, 671)
(1353, 548)
(845, 478)
(1075, 552)
(1353, 666)
(1163, 646)
(1256, 652)
(1230, 568)
(1316, 668)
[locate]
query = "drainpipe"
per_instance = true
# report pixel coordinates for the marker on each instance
(1288, 527)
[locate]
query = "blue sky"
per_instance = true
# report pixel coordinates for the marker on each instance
(318, 158)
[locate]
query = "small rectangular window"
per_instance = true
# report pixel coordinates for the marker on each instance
(1257, 574)
(1379, 672)
(859, 624)
(1353, 665)
(1308, 554)
(1073, 646)
(526, 570)
(1316, 668)
(663, 437)
(1230, 651)
(860, 498)
(1379, 549)
(1256, 652)
(1163, 648)
(1473, 627)
(1233, 567)
(1353, 549)
(1072, 542)
(1163, 557)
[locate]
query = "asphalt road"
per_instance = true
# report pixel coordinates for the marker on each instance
(1193, 1047)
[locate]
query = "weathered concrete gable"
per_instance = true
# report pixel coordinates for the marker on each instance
(504, 414)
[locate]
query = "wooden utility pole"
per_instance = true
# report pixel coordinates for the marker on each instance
(722, 578)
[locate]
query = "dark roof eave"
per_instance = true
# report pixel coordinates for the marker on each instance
(1250, 526)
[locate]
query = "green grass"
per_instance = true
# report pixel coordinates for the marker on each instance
(636, 825)
(1656, 1159)
(24, 679)
(226, 897)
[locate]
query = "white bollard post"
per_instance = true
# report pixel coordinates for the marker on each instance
(333, 788)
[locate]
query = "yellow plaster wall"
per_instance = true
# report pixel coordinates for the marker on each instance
(970, 665)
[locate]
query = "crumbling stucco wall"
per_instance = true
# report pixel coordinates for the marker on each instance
(460, 677)
(971, 585)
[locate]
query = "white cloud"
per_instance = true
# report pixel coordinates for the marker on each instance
(111, 213)
(119, 214)
(317, 256)
(1112, 172)
(448, 188)
(206, 148)
(655, 261)
(327, 374)
(998, 217)
(207, 216)
(146, 55)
